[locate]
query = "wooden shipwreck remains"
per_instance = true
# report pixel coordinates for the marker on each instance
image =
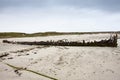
(111, 42)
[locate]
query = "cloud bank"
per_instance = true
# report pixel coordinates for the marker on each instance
(59, 15)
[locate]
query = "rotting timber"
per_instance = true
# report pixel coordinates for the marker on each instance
(111, 42)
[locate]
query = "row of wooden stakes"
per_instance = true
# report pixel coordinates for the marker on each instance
(111, 42)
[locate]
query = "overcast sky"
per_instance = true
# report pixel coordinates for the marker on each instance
(59, 15)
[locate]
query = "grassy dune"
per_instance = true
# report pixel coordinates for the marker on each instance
(16, 34)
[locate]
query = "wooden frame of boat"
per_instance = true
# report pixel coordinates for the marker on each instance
(111, 42)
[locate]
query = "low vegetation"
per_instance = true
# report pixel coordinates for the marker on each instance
(16, 34)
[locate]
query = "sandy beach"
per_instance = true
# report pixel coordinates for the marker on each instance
(62, 63)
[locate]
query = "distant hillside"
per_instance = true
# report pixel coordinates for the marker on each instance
(16, 34)
(11, 34)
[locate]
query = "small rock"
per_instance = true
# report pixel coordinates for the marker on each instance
(27, 54)
(35, 52)
(6, 69)
(10, 58)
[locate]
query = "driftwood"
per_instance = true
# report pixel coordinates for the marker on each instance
(112, 42)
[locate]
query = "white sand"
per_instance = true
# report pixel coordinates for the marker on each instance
(63, 63)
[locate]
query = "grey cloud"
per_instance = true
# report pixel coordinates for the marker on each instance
(108, 5)
(22, 3)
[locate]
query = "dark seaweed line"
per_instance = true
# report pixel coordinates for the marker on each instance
(18, 68)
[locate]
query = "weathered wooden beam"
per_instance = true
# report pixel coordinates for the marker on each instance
(112, 42)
